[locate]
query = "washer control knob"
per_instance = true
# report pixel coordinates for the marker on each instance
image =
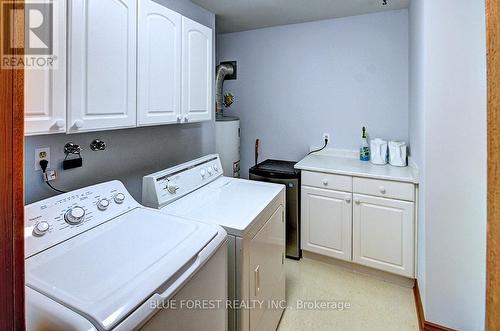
(203, 173)
(216, 168)
(172, 189)
(41, 228)
(103, 204)
(210, 170)
(74, 215)
(119, 198)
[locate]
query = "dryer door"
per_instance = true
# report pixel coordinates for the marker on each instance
(267, 274)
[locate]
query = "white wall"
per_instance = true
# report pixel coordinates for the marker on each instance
(296, 82)
(448, 132)
(131, 153)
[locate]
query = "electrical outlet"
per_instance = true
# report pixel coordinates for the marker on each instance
(326, 136)
(42, 154)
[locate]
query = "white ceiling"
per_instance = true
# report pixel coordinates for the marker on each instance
(241, 15)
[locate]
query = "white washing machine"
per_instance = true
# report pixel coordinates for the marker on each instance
(97, 260)
(252, 213)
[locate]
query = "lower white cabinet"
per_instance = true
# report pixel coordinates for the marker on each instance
(327, 222)
(383, 234)
(367, 221)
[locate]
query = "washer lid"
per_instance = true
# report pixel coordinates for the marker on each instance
(108, 271)
(229, 202)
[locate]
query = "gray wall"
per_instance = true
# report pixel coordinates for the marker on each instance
(448, 138)
(296, 82)
(131, 153)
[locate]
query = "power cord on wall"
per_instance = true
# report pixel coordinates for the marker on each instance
(319, 150)
(43, 165)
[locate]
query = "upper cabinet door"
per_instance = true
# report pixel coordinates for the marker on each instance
(102, 64)
(197, 69)
(159, 58)
(45, 89)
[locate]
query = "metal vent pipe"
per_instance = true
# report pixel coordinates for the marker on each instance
(222, 71)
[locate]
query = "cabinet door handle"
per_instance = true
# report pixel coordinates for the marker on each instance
(179, 118)
(382, 189)
(357, 201)
(257, 279)
(325, 182)
(186, 118)
(348, 200)
(59, 123)
(78, 124)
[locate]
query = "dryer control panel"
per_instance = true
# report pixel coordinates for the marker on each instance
(166, 186)
(51, 221)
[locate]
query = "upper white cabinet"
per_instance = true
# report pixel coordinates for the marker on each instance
(102, 65)
(130, 63)
(326, 222)
(383, 234)
(197, 71)
(159, 59)
(45, 89)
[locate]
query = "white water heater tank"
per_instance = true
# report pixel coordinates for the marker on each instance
(227, 144)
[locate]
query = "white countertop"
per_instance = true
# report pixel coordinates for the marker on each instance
(344, 163)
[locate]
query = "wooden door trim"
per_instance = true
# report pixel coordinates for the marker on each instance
(18, 195)
(493, 235)
(12, 315)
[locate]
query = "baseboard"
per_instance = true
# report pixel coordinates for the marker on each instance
(367, 271)
(422, 323)
(429, 326)
(420, 308)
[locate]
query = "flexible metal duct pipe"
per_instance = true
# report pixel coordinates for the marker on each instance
(222, 71)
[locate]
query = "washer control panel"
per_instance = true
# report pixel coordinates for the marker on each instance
(164, 187)
(51, 221)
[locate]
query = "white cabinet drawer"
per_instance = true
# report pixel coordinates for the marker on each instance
(327, 181)
(384, 188)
